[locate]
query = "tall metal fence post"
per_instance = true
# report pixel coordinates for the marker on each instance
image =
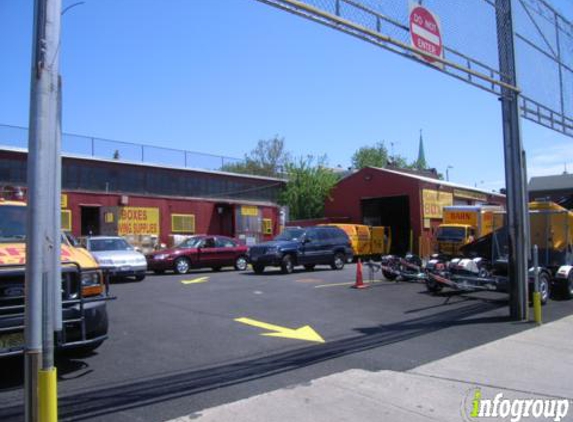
(514, 165)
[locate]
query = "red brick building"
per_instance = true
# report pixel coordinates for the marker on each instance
(409, 203)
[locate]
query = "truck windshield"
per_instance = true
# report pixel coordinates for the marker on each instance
(12, 223)
(290, 234)
(452, 234)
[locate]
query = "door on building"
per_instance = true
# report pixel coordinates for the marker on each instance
(393, 212)
(226, 215)
(90, 220)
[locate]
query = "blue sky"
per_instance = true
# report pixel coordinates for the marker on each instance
(216, 76)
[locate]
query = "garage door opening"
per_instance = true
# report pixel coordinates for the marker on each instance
(393, 212)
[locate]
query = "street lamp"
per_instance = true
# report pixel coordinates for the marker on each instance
(448, 173)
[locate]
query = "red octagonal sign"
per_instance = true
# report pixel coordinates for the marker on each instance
(426, 33)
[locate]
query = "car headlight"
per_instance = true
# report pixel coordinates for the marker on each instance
(161, 256)
(91, 283)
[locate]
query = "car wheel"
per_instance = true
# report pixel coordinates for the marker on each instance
(182, 265)
(544, 287)
(287, 266)
(216, 269)
(309, 267)
(140, 277)
(568, 287)
(338, 262)
(241, 263)
(258, 269)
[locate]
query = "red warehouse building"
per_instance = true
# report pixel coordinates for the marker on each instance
(136, 199)
(409, 203)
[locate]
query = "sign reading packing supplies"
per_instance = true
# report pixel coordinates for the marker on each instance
(135, 220)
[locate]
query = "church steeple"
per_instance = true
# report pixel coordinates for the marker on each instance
(421, 161)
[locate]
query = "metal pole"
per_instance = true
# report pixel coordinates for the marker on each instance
(57, 270)
(514, 166)
(39, 241)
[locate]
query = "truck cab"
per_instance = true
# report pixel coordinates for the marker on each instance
(451, 237)
(84, 291)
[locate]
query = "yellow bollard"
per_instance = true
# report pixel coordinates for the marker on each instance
(48, 395)
(537, 307)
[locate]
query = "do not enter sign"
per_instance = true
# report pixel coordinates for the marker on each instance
(426, 33)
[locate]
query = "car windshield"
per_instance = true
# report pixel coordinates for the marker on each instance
(290, 234)
(451, 233)
(98, 245)
(12, 223)
(192, 242)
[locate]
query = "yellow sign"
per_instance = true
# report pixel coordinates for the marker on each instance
(458, 193)
(64, 200)
(249, 211)
(433, 202)
(134, 220)
(469, 218)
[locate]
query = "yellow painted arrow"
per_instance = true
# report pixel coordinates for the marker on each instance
(196, 280)
(305, 333)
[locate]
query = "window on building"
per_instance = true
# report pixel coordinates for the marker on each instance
(66, 220)
(183, 223)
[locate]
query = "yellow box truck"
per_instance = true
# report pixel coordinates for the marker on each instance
(367, 241)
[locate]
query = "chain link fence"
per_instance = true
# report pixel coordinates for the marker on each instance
(17, 136)
(469, 33)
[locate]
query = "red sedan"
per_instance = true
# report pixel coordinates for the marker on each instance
(199, 252)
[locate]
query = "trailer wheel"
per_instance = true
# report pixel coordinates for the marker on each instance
(544, 287)
(433, 286)
(389, 276)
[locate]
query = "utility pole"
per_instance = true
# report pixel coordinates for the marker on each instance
(515, 172)
(41, 244)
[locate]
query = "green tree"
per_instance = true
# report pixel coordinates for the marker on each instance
(309, 185)
(370, 156)
(269, 158)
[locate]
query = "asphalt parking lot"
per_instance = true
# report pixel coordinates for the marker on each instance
(180, 344)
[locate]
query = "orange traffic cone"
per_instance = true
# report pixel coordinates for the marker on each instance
(359, 281)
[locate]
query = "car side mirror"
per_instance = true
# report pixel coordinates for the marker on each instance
(306, 240)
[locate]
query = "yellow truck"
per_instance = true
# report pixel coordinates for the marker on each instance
(462, 224)
(367, 241)
(84, 290)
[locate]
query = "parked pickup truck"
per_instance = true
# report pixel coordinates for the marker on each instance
(84, 292)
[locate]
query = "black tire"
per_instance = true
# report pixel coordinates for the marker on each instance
(544, 287)
(216, 269)
(258, 268)
(567, 289)
(241, 263)
(159, 272)
(433, 286)
(309, 267)
(140, 277)
(182, 265)
(338, 261)
(287, 266)
(389, 276)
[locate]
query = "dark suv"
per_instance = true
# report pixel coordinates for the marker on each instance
(307, 246)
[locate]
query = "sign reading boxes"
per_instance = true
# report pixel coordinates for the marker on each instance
(136, 220)
(434, 202)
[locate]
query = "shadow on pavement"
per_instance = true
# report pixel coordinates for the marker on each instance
(114, 398)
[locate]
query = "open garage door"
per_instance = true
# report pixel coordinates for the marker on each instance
(391, 211)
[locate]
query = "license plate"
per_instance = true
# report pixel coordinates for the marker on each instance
(11, 341)
(125, 268)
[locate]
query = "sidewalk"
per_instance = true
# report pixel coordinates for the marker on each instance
(535, 364)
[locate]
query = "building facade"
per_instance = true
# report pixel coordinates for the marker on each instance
(408, 203)
(132, 199)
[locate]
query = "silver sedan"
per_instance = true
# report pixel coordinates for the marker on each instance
(117, 256)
